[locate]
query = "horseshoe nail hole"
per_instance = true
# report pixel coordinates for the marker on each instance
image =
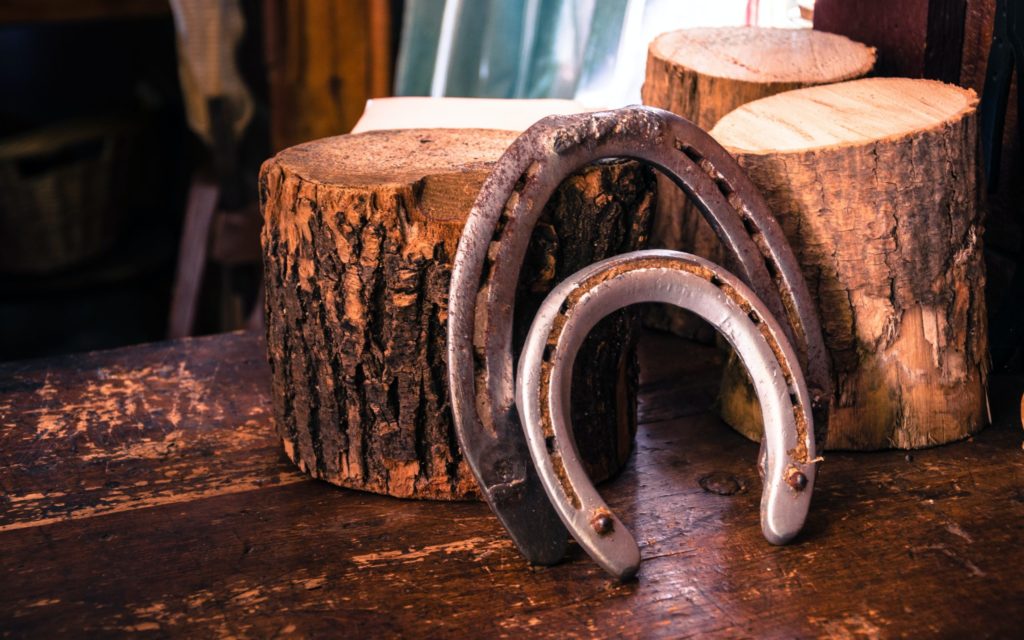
(549, 352)
(504, 469)
(550, 443)
(769, 265)
(479, 362)
(794, 400)
(485, 273)
(688, 151)
(499, 228)
(721, 483)
(715, 280)
(724, 187)
(754, 317)
(748, 224)
(521, 182)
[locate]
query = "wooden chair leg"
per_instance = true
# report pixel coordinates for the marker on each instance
(195, 237)
(257, 323)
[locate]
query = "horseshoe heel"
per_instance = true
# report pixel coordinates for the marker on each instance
(545, 373)
(491, 253)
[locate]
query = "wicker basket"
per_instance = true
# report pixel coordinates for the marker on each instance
(60, 190)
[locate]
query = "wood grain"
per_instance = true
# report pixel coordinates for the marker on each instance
(875, 183)
(848, 115)
(704, 73)
(896, 546)
(94, 434)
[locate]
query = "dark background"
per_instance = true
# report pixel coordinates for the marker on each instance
(310, 66)
(70, 64)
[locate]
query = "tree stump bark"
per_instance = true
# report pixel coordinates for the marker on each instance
(875, 183)
(703, 74)
(358, 238)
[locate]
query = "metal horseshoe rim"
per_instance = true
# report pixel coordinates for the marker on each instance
(491, 252)
(545, 374)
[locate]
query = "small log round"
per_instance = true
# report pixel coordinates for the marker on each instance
(702, 74)
(875, 183)
(358, 238)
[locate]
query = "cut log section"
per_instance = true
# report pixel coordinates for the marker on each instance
(875, 183)
(703, 74)
(358, 238)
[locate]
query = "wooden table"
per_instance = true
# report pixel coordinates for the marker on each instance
(143, 490)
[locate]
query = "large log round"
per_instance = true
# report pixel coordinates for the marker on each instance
(875, 183)
(704, 73)
(358, 238)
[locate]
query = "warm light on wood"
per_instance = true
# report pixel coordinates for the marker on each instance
(875, 183)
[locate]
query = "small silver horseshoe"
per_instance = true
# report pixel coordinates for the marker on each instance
(788, 458)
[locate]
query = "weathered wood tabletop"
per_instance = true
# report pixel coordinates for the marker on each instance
(143, 490)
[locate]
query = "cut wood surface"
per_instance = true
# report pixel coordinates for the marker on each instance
(702, 74)
(358, 240)
(145, 492)
(875, 183)
(707, 72)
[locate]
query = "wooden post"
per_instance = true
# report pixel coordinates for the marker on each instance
(949, 40)
(358, 238)
(914, 38)
(703, 74)
(324, 60)
(875, 183)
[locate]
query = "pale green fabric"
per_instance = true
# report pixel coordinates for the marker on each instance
(507, 48)
(593, 51)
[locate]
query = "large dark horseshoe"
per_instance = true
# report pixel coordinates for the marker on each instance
(563, 321)
(490, 256)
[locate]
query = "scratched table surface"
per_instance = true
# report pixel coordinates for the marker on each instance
(144, 493)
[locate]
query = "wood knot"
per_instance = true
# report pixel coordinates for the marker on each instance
(721, 483)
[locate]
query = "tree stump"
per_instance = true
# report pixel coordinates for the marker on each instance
(358, 239)
(703, 74)
(875, 183)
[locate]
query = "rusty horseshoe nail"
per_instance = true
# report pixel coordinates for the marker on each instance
(796, 479)
(602, 522)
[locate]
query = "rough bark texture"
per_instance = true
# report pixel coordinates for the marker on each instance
(703, 74)
(875, 184)
(359, 234)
